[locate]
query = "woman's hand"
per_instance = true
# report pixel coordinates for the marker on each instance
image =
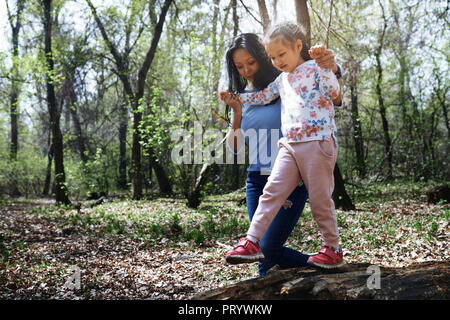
(232, 100)
(323, 57)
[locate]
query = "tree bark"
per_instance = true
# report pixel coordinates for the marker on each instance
(340, 196)
(430, 280)
(123, 126)
(444, 107)
(194, 197)
(381, 106)
(301, 9)
(403, 40)
(76, 121)
(15, 87)
(48, 175)
(61, 192)
(165, 186)
(264, 15)
(357, 131)
(235, 19)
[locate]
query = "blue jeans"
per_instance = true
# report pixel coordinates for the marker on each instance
(272, 243)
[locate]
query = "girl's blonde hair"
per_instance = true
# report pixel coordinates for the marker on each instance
(291, 32)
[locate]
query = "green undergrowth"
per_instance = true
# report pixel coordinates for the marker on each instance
(386, 214)
(154, 220)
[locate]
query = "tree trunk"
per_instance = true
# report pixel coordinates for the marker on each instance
(301, 9)
(430, 280)
(357, 132)
(15, 87)
(444, 107)
(406, 120)
(14, 123)
(123, 147)
(381, 106)
(76, 121)
(135, 96)
(382, 109)
(264, 15)
(194, 197)
(235, 19)
(61, 192)
(165, 186)
(236, 172)
(48, 176)
(402, 42)
(340, 196)
(136, 163)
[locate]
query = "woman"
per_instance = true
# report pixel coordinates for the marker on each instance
(250, 69)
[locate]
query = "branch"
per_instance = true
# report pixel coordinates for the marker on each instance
(152, 50)
(264, 14)
(251, 14)
(329, 21)
(10, 18)
(121, 66)
(338, 37)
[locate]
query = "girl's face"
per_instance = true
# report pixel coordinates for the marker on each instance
(245, 64)
(284, 56)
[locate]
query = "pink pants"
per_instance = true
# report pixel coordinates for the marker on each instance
(313, 162)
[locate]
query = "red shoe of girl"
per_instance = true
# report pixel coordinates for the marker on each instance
(245, 252)
(327, 258)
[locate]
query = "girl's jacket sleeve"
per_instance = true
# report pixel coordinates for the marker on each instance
(263, 96)
(328, 83)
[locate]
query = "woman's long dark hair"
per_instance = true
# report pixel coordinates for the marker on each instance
(266, 73)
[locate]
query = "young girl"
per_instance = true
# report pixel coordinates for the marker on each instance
(308, 150)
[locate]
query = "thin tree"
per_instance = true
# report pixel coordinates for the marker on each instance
(235, 18)
(381, 105)
(301, 10)
(61, 192)
(194, 194)
(135, 96)
(356, 122)
(340, 195)
(264, 15)
(15, 22)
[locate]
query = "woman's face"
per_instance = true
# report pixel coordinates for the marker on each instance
(246, 64)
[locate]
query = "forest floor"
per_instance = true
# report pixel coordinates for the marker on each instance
(160, 249)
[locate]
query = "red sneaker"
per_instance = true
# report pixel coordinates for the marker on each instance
(245, 252)
(327, 258)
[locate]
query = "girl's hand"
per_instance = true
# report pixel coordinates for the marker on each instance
(323, 57)
(232, 100)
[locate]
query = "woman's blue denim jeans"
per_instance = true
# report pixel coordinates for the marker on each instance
(272, 243)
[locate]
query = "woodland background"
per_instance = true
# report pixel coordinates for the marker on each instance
(90, 92)
(125, 74)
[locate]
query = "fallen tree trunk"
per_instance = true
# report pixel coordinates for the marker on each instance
(430, 280)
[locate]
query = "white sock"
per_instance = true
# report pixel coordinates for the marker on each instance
(252, 238)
